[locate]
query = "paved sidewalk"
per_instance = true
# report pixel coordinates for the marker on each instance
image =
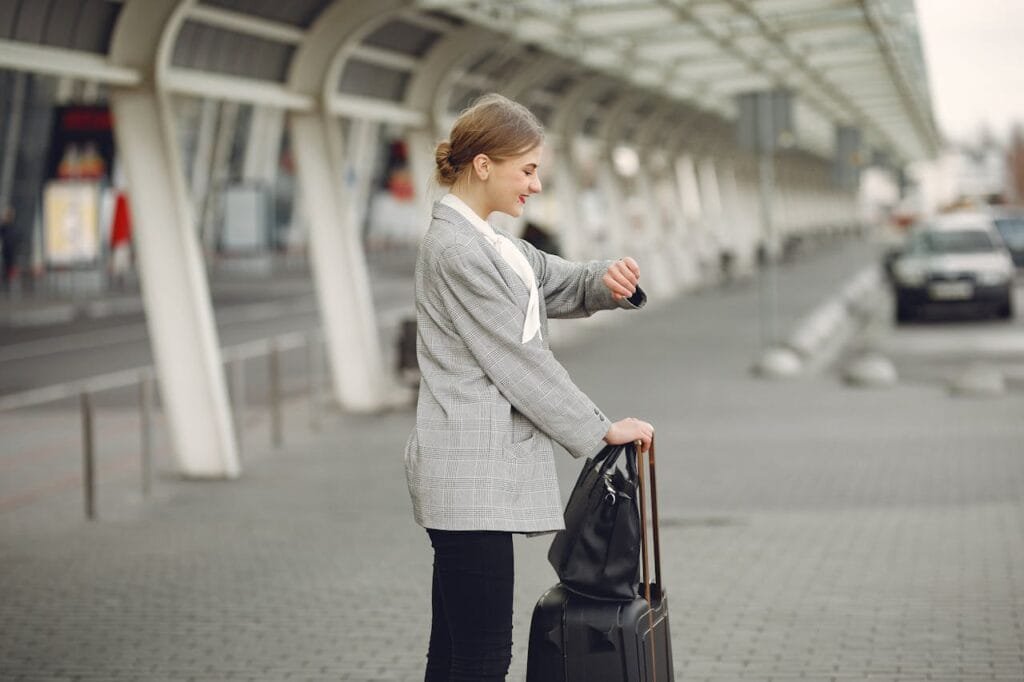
(812, 531)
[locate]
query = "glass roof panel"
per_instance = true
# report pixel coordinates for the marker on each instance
(295, 12)
(832, 52)
(373, 80)
(404, 37)
(619, 20)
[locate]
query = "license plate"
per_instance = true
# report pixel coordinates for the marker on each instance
(951, 291)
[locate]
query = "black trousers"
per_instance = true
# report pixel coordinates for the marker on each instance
(471, 627)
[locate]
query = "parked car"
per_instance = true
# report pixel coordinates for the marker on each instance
(1010, 223)
(953, 260)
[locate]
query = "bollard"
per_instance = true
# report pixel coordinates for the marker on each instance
(88, 457)
(274, 371)
(313, 380)
(238, 398)
(146, 419)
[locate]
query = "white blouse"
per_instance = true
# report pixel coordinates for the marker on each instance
(511, 255)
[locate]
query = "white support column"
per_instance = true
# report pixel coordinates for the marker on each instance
(202, 162)
(339, 270)
(361, 381)
(177, 299)
(782, 214)
(210, 216)
(711, 200)
(567, 190)
(263, 145)
(651, 248)
(617, 223)
(620, 231)
(738, 233)
(357, 167)
(427, 92)
(566, 123)
(11, 134)
(680, 261)
(693, 213)
(660, 208)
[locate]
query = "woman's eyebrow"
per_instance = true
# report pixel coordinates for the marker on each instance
(531, 164)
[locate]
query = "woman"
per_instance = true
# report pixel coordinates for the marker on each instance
(492, 396)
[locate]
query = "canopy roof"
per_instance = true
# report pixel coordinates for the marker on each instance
(855, 63)
(849, 62)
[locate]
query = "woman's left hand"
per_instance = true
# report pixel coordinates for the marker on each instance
(622, 278)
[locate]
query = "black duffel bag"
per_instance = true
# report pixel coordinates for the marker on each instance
(598, 553)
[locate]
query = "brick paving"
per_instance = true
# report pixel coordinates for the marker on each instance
(811, 531)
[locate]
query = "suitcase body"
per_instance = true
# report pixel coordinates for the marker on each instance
(574, 638)
(578, 639)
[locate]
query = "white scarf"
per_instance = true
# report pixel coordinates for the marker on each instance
(511, 255)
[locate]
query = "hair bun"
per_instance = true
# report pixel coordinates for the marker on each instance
(447, 172)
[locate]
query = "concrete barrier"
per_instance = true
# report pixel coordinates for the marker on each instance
(819, 335)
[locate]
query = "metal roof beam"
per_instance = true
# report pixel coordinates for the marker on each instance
(234, 89)
(247, 24)
(925, 126)
(58, 61)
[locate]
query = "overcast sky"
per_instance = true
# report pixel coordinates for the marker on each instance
(975, 55)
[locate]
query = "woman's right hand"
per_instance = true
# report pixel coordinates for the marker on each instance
(629, 430)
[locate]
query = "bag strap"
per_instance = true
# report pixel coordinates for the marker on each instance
(605, 460)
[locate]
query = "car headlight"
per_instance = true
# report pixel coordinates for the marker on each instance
(910, 274)
(992, 278)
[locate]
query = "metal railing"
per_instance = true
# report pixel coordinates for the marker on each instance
(235, 358)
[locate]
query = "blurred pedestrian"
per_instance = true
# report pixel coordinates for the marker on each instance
(541, 239)
(120, 240)
(492, 397)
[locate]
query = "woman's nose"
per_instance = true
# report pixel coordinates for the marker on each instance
(535, 186)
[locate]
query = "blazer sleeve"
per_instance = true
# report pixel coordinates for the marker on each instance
(488, 319)
(575, 289)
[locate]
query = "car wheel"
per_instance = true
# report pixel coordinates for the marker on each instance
(904, 312)
(1005, 310)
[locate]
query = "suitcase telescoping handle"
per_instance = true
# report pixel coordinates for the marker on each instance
(644, 543)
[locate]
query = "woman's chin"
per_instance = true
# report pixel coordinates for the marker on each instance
(514, 211)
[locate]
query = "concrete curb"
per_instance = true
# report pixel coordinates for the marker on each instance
(819, 336)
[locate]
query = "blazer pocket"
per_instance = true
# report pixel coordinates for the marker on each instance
(522, 449)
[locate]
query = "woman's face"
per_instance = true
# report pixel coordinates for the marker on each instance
(512, 181)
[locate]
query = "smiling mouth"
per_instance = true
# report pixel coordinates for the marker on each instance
(522, 199)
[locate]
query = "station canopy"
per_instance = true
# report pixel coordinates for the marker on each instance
(855, 63)
(851, 64)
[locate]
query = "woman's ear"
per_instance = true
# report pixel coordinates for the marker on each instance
(482, 166)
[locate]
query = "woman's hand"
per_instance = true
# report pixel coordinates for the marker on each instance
(629, 430)
(622, 277)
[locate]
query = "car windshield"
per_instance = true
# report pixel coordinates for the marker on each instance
(955, 241)
(1012, 230)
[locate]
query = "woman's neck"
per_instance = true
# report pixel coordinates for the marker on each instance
(473, 198)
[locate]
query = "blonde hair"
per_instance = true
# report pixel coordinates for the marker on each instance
(494, 125)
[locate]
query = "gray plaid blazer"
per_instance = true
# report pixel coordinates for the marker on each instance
(489, 407)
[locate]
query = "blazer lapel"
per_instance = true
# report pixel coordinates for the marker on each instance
(512, 280)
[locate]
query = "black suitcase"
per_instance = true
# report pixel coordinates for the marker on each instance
(579, 639)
